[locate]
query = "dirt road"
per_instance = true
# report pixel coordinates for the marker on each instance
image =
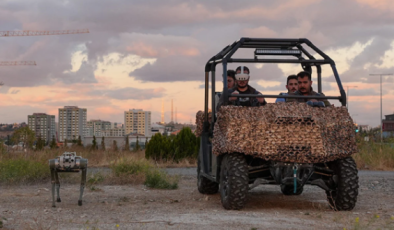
(136, 207)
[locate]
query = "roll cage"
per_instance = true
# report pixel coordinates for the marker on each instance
(272, 47)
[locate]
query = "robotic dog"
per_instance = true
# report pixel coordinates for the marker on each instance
(68, 162)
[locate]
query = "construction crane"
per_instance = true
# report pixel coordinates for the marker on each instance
(14, 63)
(33, 33)
(41, 32)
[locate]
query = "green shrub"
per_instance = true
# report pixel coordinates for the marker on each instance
(130, 167)
(158, 179)
(21, 170)
(153, 177)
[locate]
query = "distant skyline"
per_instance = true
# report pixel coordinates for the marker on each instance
(138, 52)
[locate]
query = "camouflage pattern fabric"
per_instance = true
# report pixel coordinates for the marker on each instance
(286, 132)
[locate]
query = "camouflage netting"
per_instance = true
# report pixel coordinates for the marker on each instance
(287, 132)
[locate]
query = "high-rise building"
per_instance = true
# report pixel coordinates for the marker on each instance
(72, 123)
(97, 128)
(137, 121)
(43, 125)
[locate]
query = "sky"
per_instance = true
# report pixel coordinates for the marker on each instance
(140, 53)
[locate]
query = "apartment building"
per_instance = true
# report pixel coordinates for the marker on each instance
(72, 123)
(116, 125)
(43, 125)
(137, 121)
(97, 128)
(115, 132)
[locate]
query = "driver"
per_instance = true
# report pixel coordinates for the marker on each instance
(242, 87)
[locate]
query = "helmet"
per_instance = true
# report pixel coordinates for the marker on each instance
(242, 76)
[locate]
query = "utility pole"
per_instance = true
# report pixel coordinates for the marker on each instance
(381, 115)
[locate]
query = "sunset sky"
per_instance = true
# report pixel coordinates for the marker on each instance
(140, 52)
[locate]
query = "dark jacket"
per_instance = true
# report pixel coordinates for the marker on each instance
(242, 100)
(311, 93)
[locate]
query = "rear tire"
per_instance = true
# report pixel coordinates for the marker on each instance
(204, 185)
(234, 181)
(344, 197)
(288, 190)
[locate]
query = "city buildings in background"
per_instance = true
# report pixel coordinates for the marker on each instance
(117, 125)
(364, 127)
(96, 128)
(388, 125)
(115, 132)
(137, 121)
(157, 128)
(72, 123)
(43, 125)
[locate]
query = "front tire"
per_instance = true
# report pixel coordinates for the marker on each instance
(204, 185)
(344, 197)
(234, 181)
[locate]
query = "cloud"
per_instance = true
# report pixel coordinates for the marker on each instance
(178, 39)
(130, 93)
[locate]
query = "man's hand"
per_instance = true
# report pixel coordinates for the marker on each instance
(260, 99)
(234, 98)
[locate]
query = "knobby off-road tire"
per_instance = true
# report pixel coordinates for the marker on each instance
(205, 186)
(288, 190)
(234, 181)
(344, 197)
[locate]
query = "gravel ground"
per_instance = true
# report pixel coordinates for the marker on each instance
(136, 207)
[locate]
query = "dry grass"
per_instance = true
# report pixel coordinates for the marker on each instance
(374, 156)
(127, 167)
(97, 158)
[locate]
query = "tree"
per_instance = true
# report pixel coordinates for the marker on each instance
(25, 135)
(115, 145)
(127, 144)
(65, 143)
(39, 144)
(146, 142)
(185, 143)
(153, 147)
(94, 143)
(79, 142)
(103, 143)
(137, 145)
(53, 142)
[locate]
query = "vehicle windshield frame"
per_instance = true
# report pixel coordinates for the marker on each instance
(225, 56)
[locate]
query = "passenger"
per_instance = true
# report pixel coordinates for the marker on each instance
(230, 85)
(230, 79)
(242, 87)
(305, 89)
(291, 86)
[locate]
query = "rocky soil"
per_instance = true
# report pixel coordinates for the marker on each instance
(136, 207)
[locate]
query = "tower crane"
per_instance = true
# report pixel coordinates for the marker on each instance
(14, 63)
(33, 33)
(41, 32)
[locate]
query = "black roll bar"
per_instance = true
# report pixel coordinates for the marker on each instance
(225, 56)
